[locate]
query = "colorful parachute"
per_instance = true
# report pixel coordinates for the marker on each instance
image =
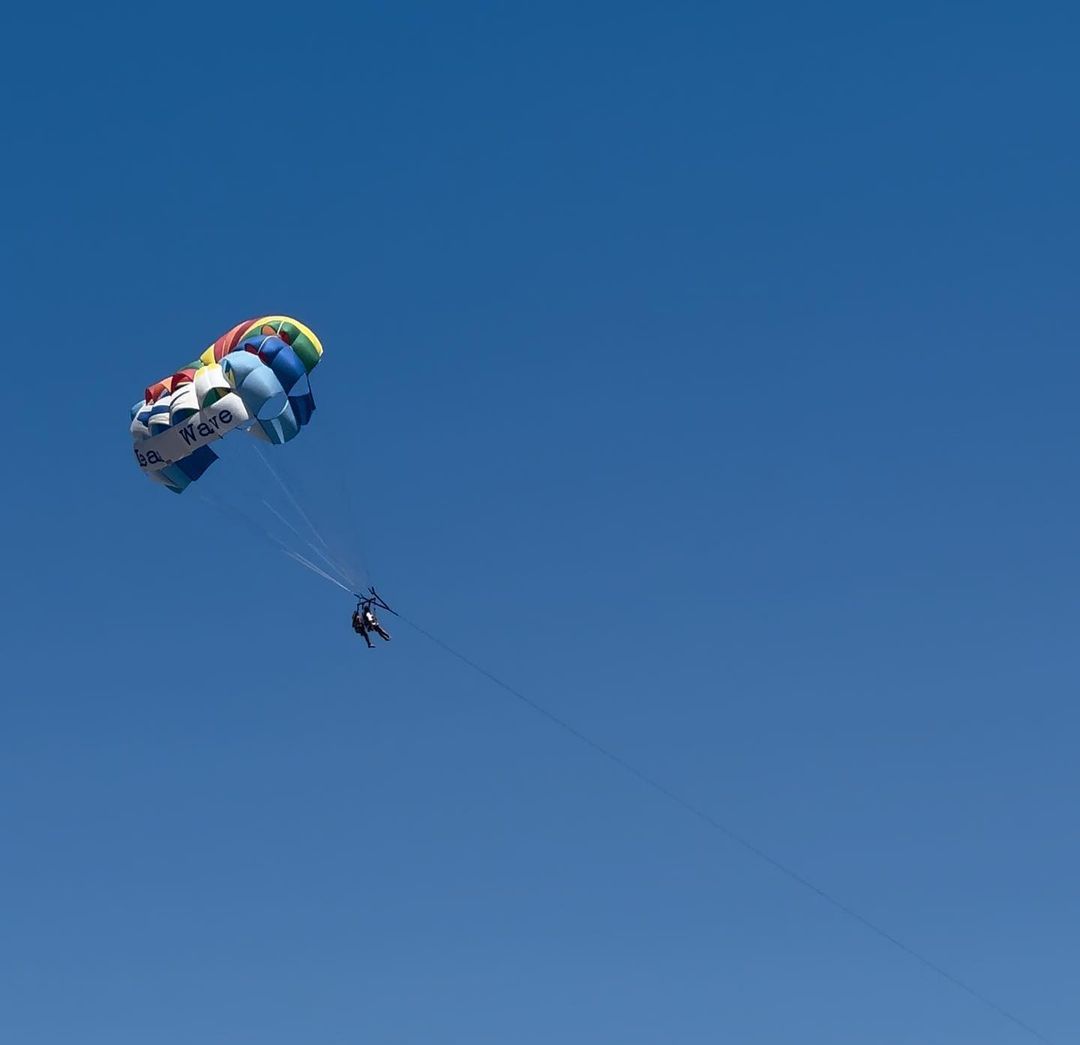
(254, 378)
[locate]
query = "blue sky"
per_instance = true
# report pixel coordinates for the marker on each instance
(708, 373)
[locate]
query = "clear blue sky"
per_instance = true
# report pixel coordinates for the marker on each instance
(718, 369)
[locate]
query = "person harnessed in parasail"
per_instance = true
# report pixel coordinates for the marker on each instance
(365, 622)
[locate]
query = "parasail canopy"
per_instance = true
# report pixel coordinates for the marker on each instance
(253, 378)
